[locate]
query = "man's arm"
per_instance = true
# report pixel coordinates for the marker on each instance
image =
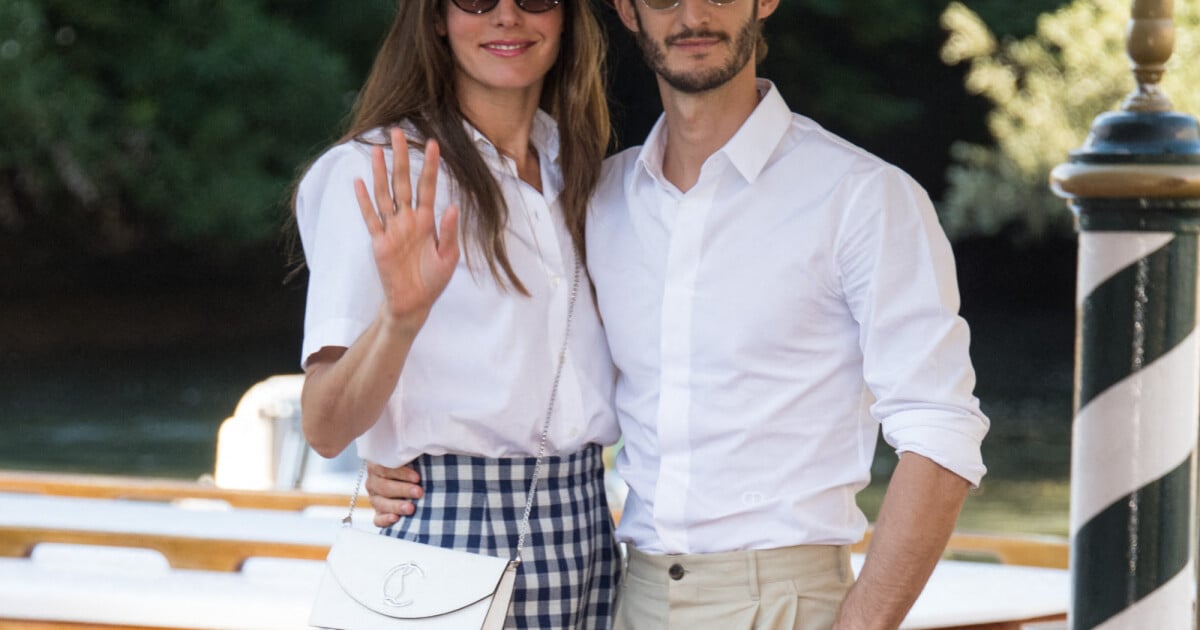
(918, 515)
(392, 491)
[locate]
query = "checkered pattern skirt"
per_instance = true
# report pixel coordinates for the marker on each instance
(570, 564)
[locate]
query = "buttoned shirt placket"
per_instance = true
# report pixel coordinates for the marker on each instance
(690, 212)
(753, 358)
(534, 209)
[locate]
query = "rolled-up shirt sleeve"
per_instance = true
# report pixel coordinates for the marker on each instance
(344, 292)
(898, 275)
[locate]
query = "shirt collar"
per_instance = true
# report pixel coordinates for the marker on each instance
(748, 150)
(650, 157)
(543, 136)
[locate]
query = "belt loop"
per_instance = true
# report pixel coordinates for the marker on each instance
(623, 558)
(845, 572)
(752, 572)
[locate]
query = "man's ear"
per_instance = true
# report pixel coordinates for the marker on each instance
(766, 7)
(626, 11)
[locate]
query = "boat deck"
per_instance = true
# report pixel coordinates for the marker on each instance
(103, 553)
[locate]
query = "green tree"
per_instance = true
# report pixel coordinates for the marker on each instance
(870, 71)
(866, 66)
(1045, 89)
(181, 123)
(135, 124)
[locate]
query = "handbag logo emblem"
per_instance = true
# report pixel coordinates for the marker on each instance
(394, 583)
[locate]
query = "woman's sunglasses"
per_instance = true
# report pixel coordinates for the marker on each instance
(479, 7)
(663, 5)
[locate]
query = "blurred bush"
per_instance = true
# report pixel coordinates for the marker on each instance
(862, 67)
(124, 123)
(128, 125)
(1045, 90)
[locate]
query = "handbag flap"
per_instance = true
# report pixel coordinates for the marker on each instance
(407, 580)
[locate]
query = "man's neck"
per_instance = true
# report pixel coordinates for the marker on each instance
(700, 124)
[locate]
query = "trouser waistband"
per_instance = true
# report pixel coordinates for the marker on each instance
(749, 568)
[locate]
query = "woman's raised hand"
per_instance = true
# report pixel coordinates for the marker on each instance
(414, 263)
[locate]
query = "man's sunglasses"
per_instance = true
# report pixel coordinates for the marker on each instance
(663, 5)
(479, 7)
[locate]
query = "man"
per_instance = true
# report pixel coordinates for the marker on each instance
(771, 295)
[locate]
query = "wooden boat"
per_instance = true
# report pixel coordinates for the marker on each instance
(114, 552)
(170, 554)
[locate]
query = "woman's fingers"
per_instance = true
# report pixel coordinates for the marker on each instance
(383, 193)
(369, 215)
(392, 190)
(427, 184)
(401, 185)
(448, 237)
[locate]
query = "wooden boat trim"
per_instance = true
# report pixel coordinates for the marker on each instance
(134, 488)
(27, 624)
(1010, 625)
(1048, 552)
(181, 552)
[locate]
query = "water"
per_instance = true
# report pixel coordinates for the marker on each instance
(155, 412)
(149, 412)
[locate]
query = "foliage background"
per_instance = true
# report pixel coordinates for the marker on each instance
(174, 128)
(1045, 90)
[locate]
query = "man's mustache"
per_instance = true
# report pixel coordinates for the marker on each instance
(689, 33)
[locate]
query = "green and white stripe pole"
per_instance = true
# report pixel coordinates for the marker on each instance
(1135, 186)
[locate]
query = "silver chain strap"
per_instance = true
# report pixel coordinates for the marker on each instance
(537, 467)
(349, 520)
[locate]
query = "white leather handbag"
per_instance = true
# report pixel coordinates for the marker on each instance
(376, 582)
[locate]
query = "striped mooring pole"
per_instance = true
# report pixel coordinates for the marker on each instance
(1135, 186)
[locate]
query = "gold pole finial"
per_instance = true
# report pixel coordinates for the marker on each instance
(1150, 42)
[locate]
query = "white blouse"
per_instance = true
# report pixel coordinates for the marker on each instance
(478, 377)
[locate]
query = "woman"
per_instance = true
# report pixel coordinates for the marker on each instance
(448, 361)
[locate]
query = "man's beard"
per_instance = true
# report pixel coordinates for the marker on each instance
(695, 82)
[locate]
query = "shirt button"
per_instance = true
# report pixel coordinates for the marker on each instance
(554, 280)
(676, 572)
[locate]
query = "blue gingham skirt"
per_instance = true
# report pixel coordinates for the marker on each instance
(570, 563)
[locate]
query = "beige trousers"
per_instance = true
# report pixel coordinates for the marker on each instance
(791, 588)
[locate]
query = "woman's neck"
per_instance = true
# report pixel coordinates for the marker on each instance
(505, 118)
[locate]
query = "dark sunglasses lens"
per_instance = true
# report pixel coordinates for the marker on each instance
(537, 6)
(476, 6)
(659, 5)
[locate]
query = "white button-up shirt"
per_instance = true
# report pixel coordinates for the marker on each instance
(478, 377)
(764, 324)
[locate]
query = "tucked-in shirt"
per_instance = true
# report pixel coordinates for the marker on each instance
(763, 325)
(478, 377)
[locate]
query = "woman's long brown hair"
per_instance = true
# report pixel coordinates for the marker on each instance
(411, 80)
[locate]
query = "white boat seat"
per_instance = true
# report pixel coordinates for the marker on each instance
(270, 563)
